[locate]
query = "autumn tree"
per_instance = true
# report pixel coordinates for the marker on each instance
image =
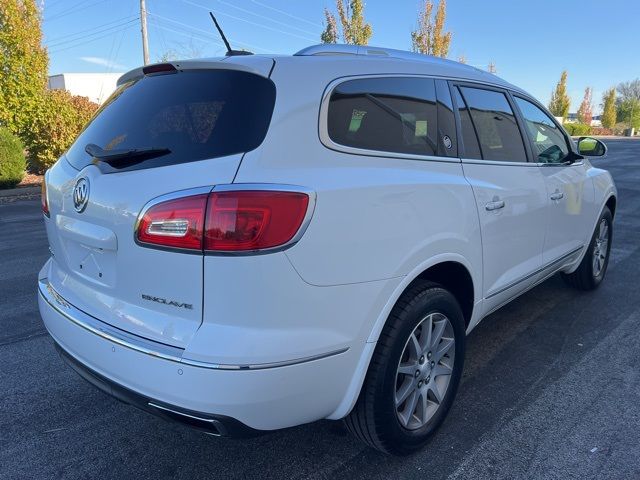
(23, 68)
(330, 33)
(609, 108)
(429, 38)
(355, 30)
(585, 114)
(560, 100)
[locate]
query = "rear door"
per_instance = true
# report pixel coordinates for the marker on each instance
(195, 125)
(569, 188)
(510, 192)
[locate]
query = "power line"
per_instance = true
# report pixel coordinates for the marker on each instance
(287, 14)
(189, 35)
(95, 30)
(91, 40)
(267, 18)
(207, 33)
(74, 9)
(250, 22)
(108, 29)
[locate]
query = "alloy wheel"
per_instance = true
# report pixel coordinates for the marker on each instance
(601, 248)
(424, 371)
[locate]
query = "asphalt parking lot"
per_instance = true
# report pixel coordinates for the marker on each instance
(551, 387)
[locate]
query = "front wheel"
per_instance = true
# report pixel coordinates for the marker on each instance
(414, 373)
(594, 265)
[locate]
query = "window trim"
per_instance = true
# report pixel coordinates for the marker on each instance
(323, 125)
(563, 132)
(516, 113)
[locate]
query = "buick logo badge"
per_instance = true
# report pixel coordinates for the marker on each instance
(81, 195)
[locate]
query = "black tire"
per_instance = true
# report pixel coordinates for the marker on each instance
(584, 277)
(373, 419)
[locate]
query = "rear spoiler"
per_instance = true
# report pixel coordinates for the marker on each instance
(258, 64)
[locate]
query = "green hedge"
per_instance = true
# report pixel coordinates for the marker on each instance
(577, 129)
(59, 120)
(12, 160)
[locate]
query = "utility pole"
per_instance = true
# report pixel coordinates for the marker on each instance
(143, 29)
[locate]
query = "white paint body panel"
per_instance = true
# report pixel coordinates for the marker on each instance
(378, 223)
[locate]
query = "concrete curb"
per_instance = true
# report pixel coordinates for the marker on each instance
(21, 193)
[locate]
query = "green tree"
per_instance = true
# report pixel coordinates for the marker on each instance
(429, 38)
(23, 64)
(585, 114)
(57, 124)
(628, 112)
(560, 100)
(330, 33)
(355, 30)
(12, 162)
(609, 108)
(628, 103)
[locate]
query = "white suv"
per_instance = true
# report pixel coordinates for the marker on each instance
(254, 242)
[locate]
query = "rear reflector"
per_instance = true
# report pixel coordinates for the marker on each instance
(228, 221)
(253, 220)
(44, 201)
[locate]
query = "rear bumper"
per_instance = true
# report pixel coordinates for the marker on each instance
(218, 425)
(221, 401)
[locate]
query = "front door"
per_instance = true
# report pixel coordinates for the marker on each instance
(568, 187)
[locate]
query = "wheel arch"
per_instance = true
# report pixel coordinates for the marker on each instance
(611, 204)
(445, 270)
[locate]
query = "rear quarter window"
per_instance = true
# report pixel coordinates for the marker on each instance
(385, 114)
(196, 114)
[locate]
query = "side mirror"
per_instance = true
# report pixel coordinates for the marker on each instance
(591, 147)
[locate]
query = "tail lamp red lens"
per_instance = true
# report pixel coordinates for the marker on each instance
(43, 198)
(229, 221)
(175, 223)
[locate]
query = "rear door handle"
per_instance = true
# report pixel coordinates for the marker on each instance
(495, 205)
(557, 196)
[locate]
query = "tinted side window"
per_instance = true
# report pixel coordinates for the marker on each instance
(471, 146)
(495, 124)
(388, 114)
(447, 141)
(550, 145)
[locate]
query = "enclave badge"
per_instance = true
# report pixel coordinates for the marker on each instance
(81, 194)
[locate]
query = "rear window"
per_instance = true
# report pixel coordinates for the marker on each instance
(387, 114)
(196, 114)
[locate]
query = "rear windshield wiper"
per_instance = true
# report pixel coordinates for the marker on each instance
(125, 154)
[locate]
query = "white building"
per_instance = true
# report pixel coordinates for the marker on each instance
(96, 86)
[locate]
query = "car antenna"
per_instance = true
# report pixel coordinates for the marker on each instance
(230, 51)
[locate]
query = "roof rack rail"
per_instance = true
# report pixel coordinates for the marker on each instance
(365, 50)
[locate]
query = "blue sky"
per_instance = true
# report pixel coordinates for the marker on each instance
(530, 42)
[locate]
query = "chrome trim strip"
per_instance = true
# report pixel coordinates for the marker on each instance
(217, 424)
(150, 347)
(262, 366)
(536, 272)
(476, 161)
(104, 330)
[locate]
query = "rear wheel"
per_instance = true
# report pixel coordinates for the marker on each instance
(594, 265)
(414, 373)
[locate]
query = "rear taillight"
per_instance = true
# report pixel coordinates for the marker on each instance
(226, 221)
(253, 220)
(174, 223)
(43, 198)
